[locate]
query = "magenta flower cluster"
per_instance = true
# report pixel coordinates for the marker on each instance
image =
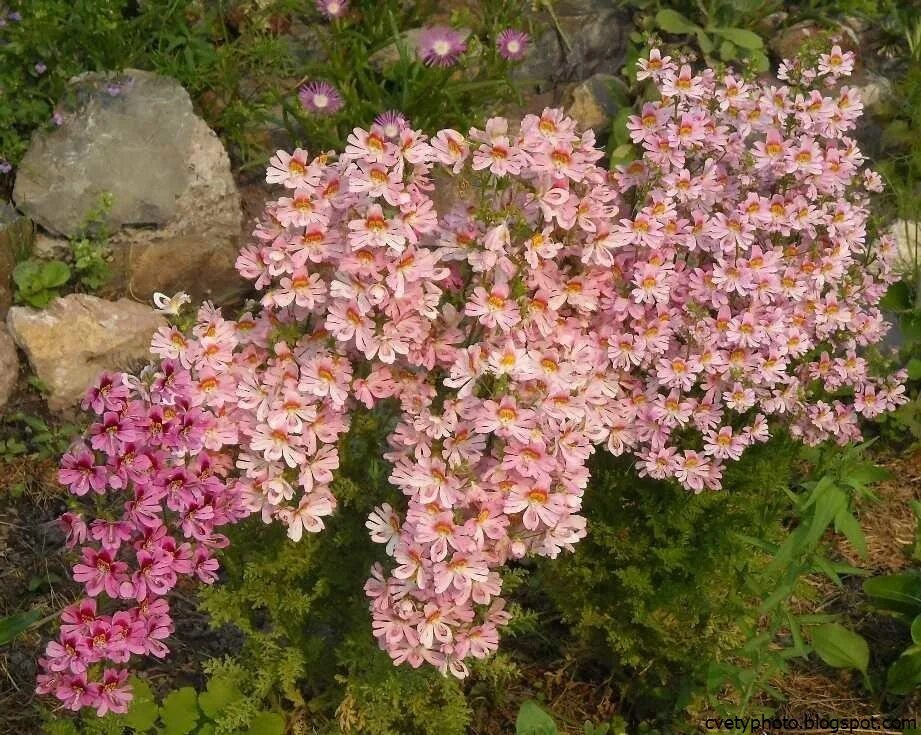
(673, 309)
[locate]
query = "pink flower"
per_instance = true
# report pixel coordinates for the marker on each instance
(440, 46)
(512, 44)
(320, 98)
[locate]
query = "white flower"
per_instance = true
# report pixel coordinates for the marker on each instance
(170, 304)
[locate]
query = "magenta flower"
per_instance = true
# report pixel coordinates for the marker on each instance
(441, 46)
(333, 8)
(513, 44)
(321, 98)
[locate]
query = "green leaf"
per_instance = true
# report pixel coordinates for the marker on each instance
(899, 593)
(220, 692)
(916, 630)
(706, 44)
(740, 37)
(143, 711)
(55, 273)
(905, 673)
(672, 21)
(759, 61)
(897, 297)
(179, 712)
(727, 51)
(846, 523)
(267, 723)
(532, 720)
(914, 368)
(13, 625)
(841, 648)
(25, 274)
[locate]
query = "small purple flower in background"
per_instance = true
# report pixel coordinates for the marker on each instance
(40, 68)
(321, 98)
(392, 122)
(58, 119)
(333, 8)
(512, 44)
(5, 167)
(113, 89)
(441, 46)
(15, 16)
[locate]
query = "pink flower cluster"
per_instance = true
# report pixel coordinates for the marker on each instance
(520, 306)
(152, 456)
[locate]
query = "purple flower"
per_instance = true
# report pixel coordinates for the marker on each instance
(392, 122)
(5, 167)
(15, 16)
(58, 119)
(321, 98)
(441, 46)
(333, 8)
(40, 68)
(512, 44)
(113, 89)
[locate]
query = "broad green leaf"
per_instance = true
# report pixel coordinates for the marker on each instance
(727, 50)
(671, 21)
(25, 274)
(905, 673)
(847, 524)
(12, 626)
(740, 37)
(267, 723)
(220, 692)
(827, 506)
(759, 61)
(532, 720)
(865, 474)
(916, 630)
(899, 593)
(142, 714)
(914, 368)
(55, 273)
(179, 712)
(841, 648)
(897, 298)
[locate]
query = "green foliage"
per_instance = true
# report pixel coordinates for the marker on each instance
(39, 281)
(13, 625)
(532, 720)
(841, 648)
(661, 568)
(242, 60)
(373, 63)
(899, 595)
(221, 709)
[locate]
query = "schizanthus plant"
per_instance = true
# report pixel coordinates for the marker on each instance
(675, 309)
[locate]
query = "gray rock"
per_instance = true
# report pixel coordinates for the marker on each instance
(594, 103)
(176, 217)
(9, 366)
(78, 336)
(587, 37)
(16, 235)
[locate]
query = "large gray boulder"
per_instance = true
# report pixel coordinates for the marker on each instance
(175, 214)
(78, 336)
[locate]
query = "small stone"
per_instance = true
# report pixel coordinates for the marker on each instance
(9, 365)
(593, 102)
(77, 337)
